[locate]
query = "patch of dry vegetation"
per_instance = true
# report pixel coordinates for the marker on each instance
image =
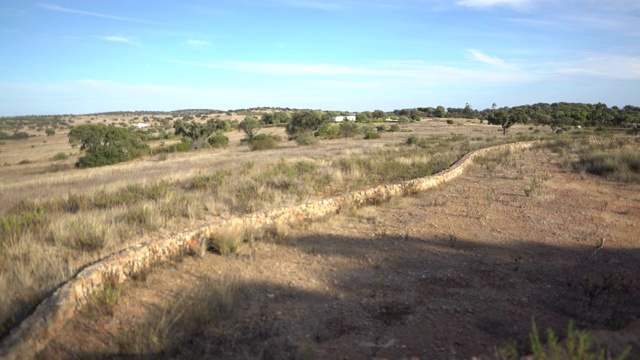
(47, 237)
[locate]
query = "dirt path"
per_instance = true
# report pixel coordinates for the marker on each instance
(451, 273)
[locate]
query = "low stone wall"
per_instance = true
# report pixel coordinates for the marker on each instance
(32, 335)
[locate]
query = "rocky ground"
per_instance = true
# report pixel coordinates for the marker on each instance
(455, 272)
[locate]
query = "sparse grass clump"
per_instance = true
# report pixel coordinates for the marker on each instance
(579, 345)
(225, 242)
(621, 166)
(197, 315)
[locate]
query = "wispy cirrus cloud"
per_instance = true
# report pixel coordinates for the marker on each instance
(198, 43)
(491, 60)
(416, 72)
(603, 66)
(519, 4)
(55, 7)
(121, 39)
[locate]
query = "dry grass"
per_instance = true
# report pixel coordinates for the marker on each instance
(51, 224)
(187, 319)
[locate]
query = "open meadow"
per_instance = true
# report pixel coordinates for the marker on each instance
(455, 272)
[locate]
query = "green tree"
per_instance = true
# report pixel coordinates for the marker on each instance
(468, 112)
(307, 121)
(506, 118)
(379, 114)
(250, 125)
(600, 115)
(279, 117)
(106, 145)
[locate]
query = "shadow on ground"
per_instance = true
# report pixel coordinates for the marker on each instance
(394, 297)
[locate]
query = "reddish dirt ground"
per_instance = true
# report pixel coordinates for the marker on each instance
(455, 272)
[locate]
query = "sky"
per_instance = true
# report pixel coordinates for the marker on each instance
(81, 56)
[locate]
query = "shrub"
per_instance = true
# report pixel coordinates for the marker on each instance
(306, 139)
(371, 134)
(60, 156)
(349, 129)
(264, 142)
(326, 131)
(20, 135)
(218, 140)
(106, 145)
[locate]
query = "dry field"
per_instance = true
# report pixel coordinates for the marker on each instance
(83, 215)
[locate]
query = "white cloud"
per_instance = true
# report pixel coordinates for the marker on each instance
(604, 66)
(121, 39)
(489, 3)
(198, 43)
(415, 72)
(54, 7)
(477, 55)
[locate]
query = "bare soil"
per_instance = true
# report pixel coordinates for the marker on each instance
(451, 273)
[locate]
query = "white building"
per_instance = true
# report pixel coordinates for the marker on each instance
(343, 118)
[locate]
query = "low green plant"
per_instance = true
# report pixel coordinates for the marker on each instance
(264, 142)
(306, 139)
(60, 156)
(371, 134)
(207, 181)
(533, 187)
(218, 140)
(579, 345)
(105, 300)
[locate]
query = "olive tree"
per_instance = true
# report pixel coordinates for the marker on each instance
(250, 125)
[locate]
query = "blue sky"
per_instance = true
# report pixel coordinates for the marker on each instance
(61, 57)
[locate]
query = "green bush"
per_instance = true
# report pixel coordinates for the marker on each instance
(60, 156)
(106, 145)
(20, 135)
(349, 129)
(218, 140)
(326, 131)
(371, 134)
(306, 139)
(264, 142)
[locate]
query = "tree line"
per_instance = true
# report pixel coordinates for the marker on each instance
(555, 115)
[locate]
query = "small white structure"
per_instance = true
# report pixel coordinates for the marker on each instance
(343, 118)
(142, 125)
